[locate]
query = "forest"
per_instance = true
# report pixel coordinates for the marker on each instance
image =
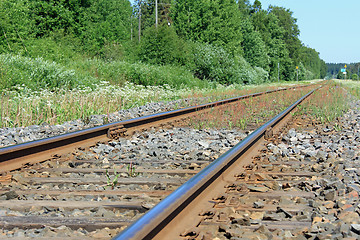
(193, 42)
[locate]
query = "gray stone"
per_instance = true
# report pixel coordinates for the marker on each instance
(330, 195)
(258, 204)
(10, 195)
(258, 188)
(355, 228)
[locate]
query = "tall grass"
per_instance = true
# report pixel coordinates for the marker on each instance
(24, 107)
(251, 112)
(327, 103)
(34, 90)
(352, 86)
(35, 73)
(119, 72)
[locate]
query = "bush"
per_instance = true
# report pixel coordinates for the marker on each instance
(57, 48)
(212, 63)
(119, 72)
(354, 77)
(37, 73)
(246, 74)
(162, 46)
(215, 64)
(305, 74)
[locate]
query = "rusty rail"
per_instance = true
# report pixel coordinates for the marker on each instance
(154, 222)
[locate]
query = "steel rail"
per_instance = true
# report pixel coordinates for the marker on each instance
(15, 156)
(154, 221)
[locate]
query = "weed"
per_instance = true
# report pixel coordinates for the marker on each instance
(112, 182)
(131, 170)
(254, 110)
(337, 127)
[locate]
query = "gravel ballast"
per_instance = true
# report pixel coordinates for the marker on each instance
(11, 136)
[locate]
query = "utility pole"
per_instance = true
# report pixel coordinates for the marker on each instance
(156, 13)
(139, 20)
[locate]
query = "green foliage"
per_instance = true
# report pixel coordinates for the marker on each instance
(212, 63)
(254, 49)
(112, 181)
(106, 23)
(162, 46)
(340, 75)
(291, 33)
(15, 24)
(246, 74)
(118, 72)
(334, 68)
(58, 48)
(310, 58)
(305, 74)
(272, 35)
(224, 41)
(214, 22)
(216, 64)
(37, 73)
(50, 16)
(354, 77)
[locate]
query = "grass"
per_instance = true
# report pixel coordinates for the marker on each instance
(249, 112)
(352, 86)
(24, 107)
(328, 103)
(34, 90)
(35, 73)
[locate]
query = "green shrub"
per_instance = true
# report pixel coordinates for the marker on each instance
(57, 48)
(37, 73)
(354, 76)
(162, 46)
(305, 74)
(212, 63)
(215, 64)
(119, 72)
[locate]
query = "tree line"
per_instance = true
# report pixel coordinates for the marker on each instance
(352, 70)
(224, 41)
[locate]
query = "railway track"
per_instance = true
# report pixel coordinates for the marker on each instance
(107, 187)
(13, 157)
(205, 199)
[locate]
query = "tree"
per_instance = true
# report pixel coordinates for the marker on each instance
(209, 21)
(244, 8)
(106, 22)
(15, 24)
(291, 33)
(162, 46)
(256, 7)
(254, 49)
(312, 62)
(267, 24)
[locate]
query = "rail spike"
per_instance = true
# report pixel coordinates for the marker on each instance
(116, 132)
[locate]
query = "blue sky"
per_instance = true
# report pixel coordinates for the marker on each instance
(331, 27)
